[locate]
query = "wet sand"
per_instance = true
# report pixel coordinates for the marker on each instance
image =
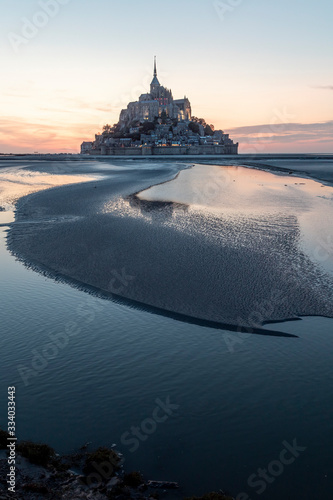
(225, 245)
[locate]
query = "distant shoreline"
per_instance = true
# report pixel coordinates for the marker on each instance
(301, 164)
(242, 157)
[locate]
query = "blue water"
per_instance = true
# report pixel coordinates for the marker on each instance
(238, 401)
(239, 397)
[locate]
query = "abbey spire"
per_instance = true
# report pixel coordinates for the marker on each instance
(155, 84)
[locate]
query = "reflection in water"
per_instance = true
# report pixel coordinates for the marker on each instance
(6, 217)
(156, 209)
(262, 201)
(21, 182)
(223, 245)
(238, 188)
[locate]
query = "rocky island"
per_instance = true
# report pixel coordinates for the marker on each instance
(158, 124)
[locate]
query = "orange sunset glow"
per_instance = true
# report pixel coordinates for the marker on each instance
(66, 75)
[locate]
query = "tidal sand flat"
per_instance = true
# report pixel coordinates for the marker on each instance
(24, 178)
(222, 244)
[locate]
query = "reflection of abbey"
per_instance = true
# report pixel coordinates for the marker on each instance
(159, 124)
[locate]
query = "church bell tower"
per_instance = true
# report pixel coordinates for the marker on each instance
(155, 84)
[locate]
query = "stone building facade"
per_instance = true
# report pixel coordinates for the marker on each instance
(152, 105)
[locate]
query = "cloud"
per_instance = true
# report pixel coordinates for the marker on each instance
(76, 103)
(17, 135)
(292, 138)
(297, 137)
(55, 101)
(323, 87)
(276, 129)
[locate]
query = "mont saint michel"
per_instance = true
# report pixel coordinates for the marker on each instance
(158, 124)
(166, 292)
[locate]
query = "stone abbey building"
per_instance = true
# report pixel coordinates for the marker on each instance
(158, 124)
(153, 104)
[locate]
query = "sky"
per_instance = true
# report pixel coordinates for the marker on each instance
(260, 70)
